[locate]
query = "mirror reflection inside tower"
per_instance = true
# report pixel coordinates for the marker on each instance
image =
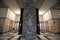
(13, 23)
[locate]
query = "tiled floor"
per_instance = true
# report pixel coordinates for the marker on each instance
(51, 36)
(43, 36)
(7, 36)
(15, 36)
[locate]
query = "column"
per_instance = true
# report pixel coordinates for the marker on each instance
(29, 20)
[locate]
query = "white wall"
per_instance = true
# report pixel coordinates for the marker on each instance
(51, 14)
(47, 15)
(55, 13)
(3, 12)
(17, 17)
(40, 18)
(11, 15)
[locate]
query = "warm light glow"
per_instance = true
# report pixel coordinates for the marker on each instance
(59, 14)
(41, 12)
(18, 12)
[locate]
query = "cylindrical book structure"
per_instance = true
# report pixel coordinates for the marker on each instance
(29, 20)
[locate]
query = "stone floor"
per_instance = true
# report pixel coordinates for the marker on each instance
(7, 36)
(17, 36)
(44, 36)
(51, 36)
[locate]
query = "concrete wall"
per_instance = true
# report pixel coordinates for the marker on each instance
(7, 20)
(17, 22)
(56, 20)
(40, 18)
(10, 21)
(41, 22)
(47, 15)
(17, 18)
(55, 13)
(11, 15)
(48, 23)
(52, 21)
(3, 14)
